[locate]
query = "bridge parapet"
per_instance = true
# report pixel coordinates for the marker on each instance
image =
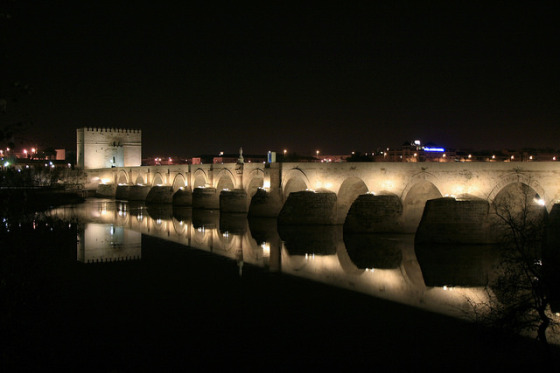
(269, 185)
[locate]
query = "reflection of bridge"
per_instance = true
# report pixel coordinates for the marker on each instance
(399, 190)
(384, 266)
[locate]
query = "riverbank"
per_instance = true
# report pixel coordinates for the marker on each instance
(31, 199)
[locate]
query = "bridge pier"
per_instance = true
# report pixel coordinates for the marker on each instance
(375, 214)
(205, 198)
(160, 194)
(234, 201)
(106, 190)
(308, 207)
(266, 204)
(182, 197)
(132, 192)
(447, 220)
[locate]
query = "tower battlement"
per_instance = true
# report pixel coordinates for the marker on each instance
(112, 130)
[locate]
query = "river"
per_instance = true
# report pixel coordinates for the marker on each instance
(164, 288)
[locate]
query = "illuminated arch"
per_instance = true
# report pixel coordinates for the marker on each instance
(122, 177)
(415, 201)
(158, 180)
(140, 180)
(514, 197)
(295, 180)
(225, 180)
(256, 182)
(200, 178)
(515, 178)
(350, 189)
(179, 182)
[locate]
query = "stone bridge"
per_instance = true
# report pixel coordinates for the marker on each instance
(391, 195)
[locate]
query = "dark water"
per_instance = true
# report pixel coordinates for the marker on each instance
(110, 286)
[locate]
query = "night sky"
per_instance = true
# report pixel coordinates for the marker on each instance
(200, 77)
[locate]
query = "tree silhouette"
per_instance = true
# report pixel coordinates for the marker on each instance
(518, 295)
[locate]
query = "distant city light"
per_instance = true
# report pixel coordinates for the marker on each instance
(430, 149)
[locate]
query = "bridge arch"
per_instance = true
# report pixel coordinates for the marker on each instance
(349, 190)
(158, 180)
(200, 178)
(122, 177)
(516, 178)
(415, 200)
(179, 182)
(518, 204)
(256, 181)
(295, 181)
(226, 180)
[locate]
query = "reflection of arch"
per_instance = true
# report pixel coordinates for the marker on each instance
(158, 180)
(159, 225)
(350, 189)
(415, 201)
(180, 227)
(225, 181)
(179, 182)
(122, 177)
(201, 238)
(295, 181)
(345, 262)
(200, 178)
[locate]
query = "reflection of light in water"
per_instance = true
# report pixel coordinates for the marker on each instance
(266, 248)
(384, 283)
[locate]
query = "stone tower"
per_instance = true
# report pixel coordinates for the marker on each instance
(108, 147)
